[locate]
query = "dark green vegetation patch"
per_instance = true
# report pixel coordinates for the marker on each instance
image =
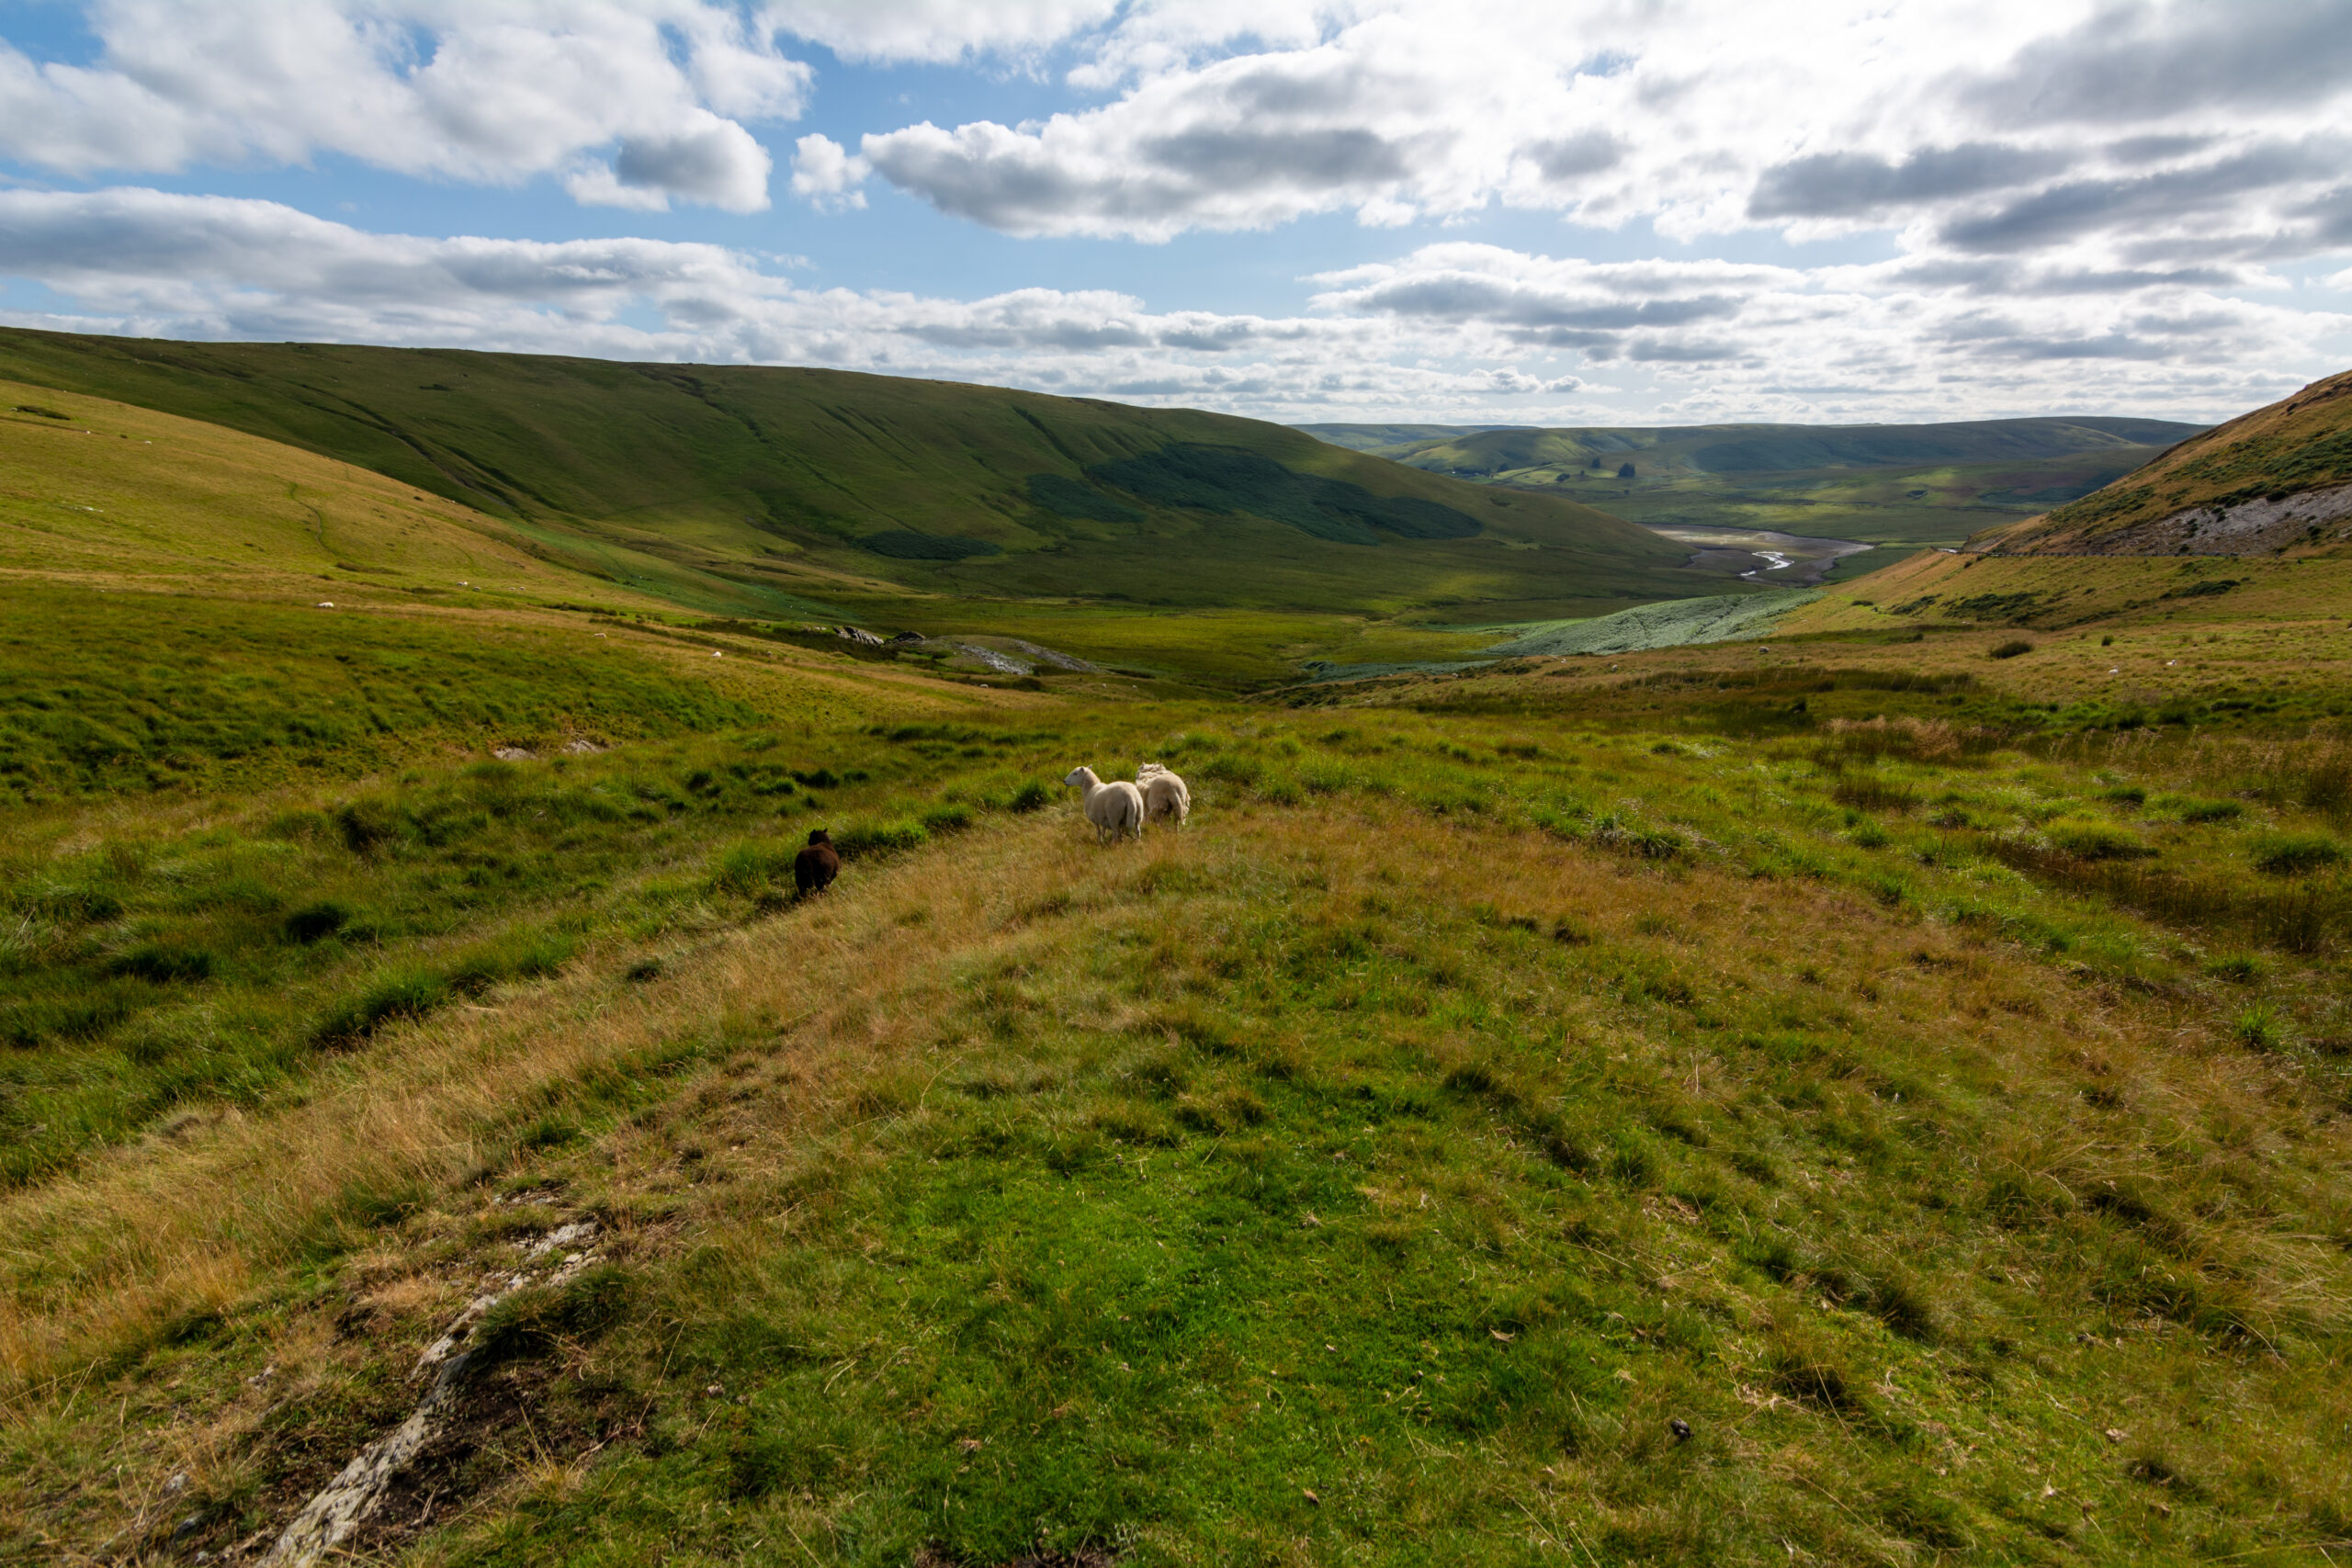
(1067, 498)
(905, 543)
(1229, 480)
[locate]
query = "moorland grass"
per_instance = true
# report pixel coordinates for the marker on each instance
(1013, 1192)
(168, 692)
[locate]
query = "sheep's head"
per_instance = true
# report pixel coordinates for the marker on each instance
(1082, 777)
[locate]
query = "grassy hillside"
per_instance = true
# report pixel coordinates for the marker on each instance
(1896, 508)
(2239, 487)
(1897, 486)
(108, 492)
(1930, 1104)
(1385, 439)
(850, 488)
(187, 608)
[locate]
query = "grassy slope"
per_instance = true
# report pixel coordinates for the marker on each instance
(161, 628)
(116, 492)
(1276, 1192)
(2297, 444)
(769, 476)
(118, 498)
(114, 488)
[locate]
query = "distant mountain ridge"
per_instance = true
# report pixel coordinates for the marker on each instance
(842, 487)
(1527, 454)
(1897, 486)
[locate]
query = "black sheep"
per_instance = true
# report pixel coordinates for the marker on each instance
(814, 868)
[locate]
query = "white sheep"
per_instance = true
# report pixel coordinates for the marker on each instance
(1164, 795)
(1115, 809)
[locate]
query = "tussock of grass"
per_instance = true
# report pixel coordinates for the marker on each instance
(2296, 854)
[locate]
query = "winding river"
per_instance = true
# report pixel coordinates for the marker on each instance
(1760, 555)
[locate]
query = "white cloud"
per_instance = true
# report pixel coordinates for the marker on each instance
(934, 30)
(488, 93)
(2122, 136)
(1449, 331)
(1370, 121)
(824, 173)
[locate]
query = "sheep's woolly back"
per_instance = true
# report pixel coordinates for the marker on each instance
(1115, 809)
(1164, 795)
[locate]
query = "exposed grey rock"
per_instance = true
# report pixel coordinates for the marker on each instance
(2249, 528)
(346, 1501)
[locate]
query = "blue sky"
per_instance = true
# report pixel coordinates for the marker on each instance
(1395, 210)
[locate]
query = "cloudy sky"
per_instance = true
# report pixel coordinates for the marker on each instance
(1643, 211)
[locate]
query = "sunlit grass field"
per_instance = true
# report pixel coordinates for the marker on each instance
(1941, 1117)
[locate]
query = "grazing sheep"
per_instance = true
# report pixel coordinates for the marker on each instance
(1164, 795)
(814, 868)
(1115, 809)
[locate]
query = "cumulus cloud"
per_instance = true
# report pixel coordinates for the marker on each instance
(2092, 204)
(632, 102)
(2120, 133)
(934, 30)
(1359, 122)
(1454, 329)
(2156, 63)
(1837, 185)
(824, 173)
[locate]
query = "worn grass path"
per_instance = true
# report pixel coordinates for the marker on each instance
(1328, 1183)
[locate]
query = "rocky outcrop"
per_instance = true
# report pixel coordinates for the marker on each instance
(2261, 526)
(346, 1501)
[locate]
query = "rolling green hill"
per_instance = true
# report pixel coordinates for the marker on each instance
(2269, 481)
(1888, 484)
(854, 489)
(185, 607)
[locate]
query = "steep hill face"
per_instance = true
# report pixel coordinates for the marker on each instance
(112, 494)
(2278, 479)
(840, 485)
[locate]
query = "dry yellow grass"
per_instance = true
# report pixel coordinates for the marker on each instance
(826, 1048)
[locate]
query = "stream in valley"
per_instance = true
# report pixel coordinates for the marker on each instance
(1760, 555)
